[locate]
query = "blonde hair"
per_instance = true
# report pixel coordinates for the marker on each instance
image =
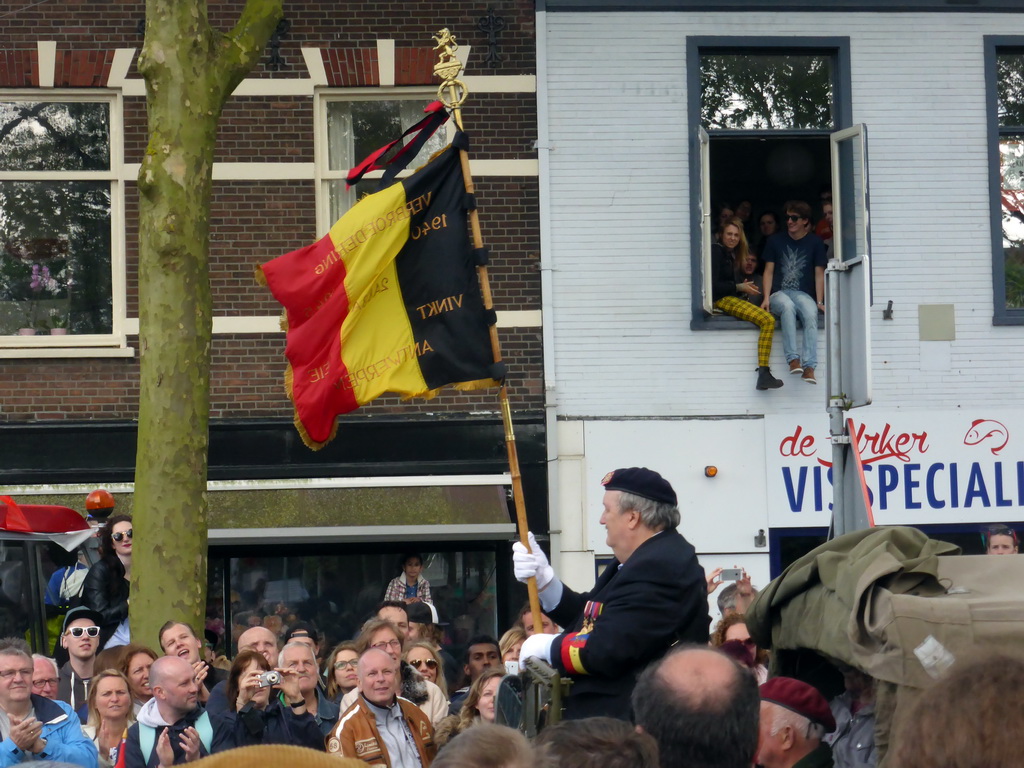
(94, 685)
(441, 682)
(509, 639)
(742, 248)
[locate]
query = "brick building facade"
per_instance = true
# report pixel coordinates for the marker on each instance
(70, 401)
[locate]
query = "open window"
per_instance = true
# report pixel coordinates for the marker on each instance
(763, 114)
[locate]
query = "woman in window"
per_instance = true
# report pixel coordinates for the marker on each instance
(729, 294)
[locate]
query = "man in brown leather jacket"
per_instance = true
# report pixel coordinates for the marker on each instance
(382, 728)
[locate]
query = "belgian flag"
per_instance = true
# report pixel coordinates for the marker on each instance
(387, 301)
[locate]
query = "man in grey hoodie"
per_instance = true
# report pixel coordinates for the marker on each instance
(172, 728)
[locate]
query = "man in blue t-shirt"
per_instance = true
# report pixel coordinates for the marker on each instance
(794, 285)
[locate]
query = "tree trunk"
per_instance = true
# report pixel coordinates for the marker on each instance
(190, 71)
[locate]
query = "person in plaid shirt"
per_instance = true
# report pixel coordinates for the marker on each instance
(410, 587)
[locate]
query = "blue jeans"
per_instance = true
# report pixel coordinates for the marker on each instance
(788, 305)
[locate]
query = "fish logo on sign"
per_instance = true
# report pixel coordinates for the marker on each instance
(990, 430)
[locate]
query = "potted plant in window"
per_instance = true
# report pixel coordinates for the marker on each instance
(58, 323)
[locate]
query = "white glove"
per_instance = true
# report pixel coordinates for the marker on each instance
(526, 564)
(536, 647)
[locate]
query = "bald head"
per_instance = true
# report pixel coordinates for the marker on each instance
(261, 640)
(378, 677)
(167, 667)
(701, 677)
(700, 707)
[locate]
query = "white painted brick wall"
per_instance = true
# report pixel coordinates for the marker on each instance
(620, 221)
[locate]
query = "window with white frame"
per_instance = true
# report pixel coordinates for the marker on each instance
(352, 126)
(59, 210)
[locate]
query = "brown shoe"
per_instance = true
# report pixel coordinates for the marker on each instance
(794, 366)
(809, 376)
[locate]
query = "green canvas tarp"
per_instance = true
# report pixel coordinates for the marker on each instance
(869, 598)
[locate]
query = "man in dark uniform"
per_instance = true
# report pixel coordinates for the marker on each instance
(652, 596)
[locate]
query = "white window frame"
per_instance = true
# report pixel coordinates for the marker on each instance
(323, 174)
(84, 345)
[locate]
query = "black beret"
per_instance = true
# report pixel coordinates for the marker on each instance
(641, 481)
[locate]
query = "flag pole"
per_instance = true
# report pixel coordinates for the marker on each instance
(452, 92)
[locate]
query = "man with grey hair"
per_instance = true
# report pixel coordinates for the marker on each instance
(794, 719)
(33, 728)
(651, 596)
(45, 676)
(298, 656)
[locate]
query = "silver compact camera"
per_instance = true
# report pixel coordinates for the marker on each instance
(269, 678)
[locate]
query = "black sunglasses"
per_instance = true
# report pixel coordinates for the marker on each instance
(431, 664)
(79, 631)
(119, 536)
(791, 217)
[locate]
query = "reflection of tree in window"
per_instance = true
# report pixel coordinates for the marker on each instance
(1010, 113)
(357, 128)
(58, 229)
(766, 92)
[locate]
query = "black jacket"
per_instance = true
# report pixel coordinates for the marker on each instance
(106, 592)
(723, 273)
(657, 598)
(276, 724)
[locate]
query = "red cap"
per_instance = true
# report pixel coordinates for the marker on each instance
(797, 696)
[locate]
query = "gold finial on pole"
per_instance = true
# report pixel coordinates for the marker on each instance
(448, 68)
(452, 93)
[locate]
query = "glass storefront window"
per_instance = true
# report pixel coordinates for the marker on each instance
(338, 592)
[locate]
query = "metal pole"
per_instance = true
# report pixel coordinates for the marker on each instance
(453, 93)
(836, 401)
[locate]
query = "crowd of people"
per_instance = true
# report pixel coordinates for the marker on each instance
(652, 684)
(782, 277)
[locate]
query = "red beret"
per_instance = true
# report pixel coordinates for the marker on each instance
(799, 697)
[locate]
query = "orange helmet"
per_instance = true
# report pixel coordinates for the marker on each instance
(99, 501)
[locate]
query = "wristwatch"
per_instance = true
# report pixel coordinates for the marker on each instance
(297, 704)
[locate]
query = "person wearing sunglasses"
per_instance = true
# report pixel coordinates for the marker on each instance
(424, 658)
(106, 585)
(794, 286)
(733, 628)
(80, 638)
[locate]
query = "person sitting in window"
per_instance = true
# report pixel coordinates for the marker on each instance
(823, 228)
(767, 225)
(794, 285)
(747, 272)
(724, 212)
(729, 296)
